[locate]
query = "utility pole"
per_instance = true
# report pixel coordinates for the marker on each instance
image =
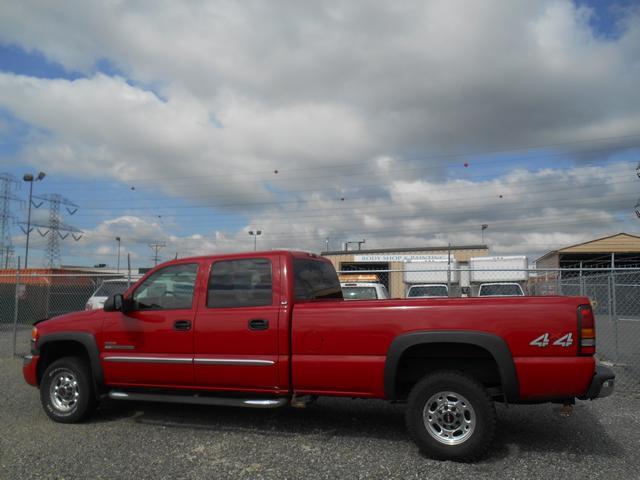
(28, 177)
(482, 229)
(156, 248)
(118, 239)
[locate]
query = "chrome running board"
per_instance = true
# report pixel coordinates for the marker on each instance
(200, 400)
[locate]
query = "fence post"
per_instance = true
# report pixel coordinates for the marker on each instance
(15, 308)
(449, 272)
(614, 312)
(581, 281)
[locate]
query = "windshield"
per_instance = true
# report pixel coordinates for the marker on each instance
(359, 293)
(507, 290)
(315, 280)
(109, 288)
(429, 291)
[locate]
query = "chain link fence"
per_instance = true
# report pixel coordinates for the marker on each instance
(614, 294)
(26, 298)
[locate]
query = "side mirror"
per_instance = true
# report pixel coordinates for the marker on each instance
(114, 303)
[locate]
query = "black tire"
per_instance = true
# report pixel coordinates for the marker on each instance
(74, 399)
(466, 420)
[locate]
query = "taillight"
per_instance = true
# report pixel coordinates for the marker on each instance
(586, 330)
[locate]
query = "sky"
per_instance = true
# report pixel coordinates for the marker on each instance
(407, 124)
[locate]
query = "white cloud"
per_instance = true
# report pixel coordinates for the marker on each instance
(309, 88)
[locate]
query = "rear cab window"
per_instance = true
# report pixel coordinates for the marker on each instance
(315, 280)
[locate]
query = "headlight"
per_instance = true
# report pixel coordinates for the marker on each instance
(35, 334)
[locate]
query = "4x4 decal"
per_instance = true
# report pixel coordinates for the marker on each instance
(543, 341)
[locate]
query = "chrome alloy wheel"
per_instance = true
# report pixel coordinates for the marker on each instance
(449, 418)
(64, 391)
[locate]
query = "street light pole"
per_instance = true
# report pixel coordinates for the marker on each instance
(118, 267)
(28, 177)
(255, 238)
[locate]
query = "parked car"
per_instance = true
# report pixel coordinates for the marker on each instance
(428, 291)
(269, 329)
(500, 290)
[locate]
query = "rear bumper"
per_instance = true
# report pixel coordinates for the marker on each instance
(602, 384)
(30, 369)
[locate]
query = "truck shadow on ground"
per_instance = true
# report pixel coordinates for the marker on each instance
(521, 429)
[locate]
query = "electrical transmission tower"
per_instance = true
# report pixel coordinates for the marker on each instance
(8, 184)
(156, 248)
(637, 206)
(56, 230)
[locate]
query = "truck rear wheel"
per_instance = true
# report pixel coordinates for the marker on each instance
(66, 390)
(450, 416)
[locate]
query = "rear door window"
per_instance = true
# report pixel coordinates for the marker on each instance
(240, 283)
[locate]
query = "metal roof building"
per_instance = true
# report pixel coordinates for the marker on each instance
(615, 251)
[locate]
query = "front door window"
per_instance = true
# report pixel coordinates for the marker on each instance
(170, 288)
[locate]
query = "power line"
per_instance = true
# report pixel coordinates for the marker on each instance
(342, 191)
(498, 226)
(337, 204)
(444, 157)
(392, 212)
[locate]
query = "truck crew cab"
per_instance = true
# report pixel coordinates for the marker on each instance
(267, 329)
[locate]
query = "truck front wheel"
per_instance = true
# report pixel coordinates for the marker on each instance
(66, 390)
(450, 416)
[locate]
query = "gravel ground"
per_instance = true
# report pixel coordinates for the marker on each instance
(334, 438)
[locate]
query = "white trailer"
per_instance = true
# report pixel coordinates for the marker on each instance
(432, 271)
(498, 271)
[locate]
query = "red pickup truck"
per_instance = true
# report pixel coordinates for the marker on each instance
(269, 329)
